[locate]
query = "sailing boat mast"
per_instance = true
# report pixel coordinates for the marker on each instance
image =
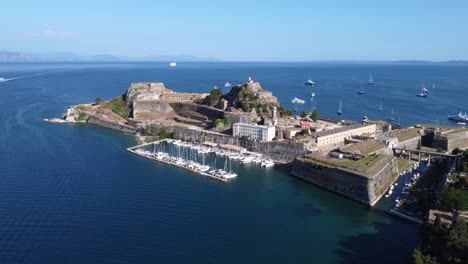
(371, 80)
(362, 90)
(339, 108)
(391, 118)
(381, 107)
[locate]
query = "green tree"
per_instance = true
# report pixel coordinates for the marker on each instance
(315, 116)
(457, 243)
(303, 114)
(214, 97)
(419, 258)
(453, 199)
(98, 100)
(455, 151)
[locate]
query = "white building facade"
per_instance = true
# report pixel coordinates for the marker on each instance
(253, 131)
(335, 137)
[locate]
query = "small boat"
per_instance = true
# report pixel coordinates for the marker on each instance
(227, 84)
(3, 79)
(423, 92)
(309, 83)
(172, 64)
(371, 80)
(461, 123)
(297, 101)
(268, 164)
(339, 109)
(392, 116)
(397, 124)
(361, 91)
(463, 118)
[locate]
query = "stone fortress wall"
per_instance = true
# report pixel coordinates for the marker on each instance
(365, 189)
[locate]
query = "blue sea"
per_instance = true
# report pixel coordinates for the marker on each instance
(70, 193)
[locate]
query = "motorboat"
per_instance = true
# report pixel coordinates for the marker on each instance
(309, 83)
(461, 117)
(230, 175)
(172, 64)
(297, 101)
(268, 163)
(3, 79)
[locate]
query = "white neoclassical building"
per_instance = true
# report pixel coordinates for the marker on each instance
(253, 131)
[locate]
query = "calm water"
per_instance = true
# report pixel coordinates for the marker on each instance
(72, 194)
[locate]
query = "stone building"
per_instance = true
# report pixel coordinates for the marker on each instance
(291, 132)
(336, 137)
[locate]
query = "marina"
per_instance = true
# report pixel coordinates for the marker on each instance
(206, 159)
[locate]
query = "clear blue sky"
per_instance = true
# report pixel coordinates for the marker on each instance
(241, 30)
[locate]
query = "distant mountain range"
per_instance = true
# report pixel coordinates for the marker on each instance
(13, 56)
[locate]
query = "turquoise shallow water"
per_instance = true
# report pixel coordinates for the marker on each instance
(72, 194)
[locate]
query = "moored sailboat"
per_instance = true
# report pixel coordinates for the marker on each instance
(339, 109)
(423, 92)
(371, 79)
(361, 91)
(392, 116)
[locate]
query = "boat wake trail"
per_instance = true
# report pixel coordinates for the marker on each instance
(25, 76)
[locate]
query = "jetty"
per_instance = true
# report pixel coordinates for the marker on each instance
(135, 149)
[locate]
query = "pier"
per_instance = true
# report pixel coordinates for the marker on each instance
(189, 155)
(142, 154)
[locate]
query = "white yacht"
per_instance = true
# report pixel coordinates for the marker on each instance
(247, 159)
(3, 79)
(463, 118)
(268, 163)
(309, 83)
(172, 64)
(230, 175)
(227, 84)
(297, 101)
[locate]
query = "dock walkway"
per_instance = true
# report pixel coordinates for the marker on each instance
(134, 148)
